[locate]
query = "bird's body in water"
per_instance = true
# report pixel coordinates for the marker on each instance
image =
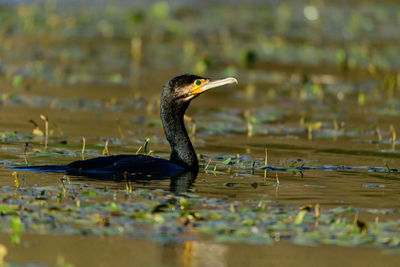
(176, 97)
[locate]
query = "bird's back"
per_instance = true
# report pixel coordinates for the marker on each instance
(118, 165)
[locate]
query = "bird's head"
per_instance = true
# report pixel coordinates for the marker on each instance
(179, 91)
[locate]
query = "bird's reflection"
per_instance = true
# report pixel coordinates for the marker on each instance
(179, 183)
(183, 182)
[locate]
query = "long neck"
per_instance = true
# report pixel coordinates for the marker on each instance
(182, 153)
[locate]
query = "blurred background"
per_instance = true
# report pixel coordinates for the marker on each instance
(68, 43)
(320, 48)
(318, 80)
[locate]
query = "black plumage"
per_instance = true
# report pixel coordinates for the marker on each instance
(176, 97)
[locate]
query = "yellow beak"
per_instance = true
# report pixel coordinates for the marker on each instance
(212, 83)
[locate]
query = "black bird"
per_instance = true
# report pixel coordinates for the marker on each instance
(175, 99)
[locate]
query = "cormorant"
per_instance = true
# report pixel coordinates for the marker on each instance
(175, 99)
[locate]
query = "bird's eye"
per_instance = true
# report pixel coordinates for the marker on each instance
(197, 82)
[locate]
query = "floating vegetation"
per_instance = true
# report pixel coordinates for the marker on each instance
(72, 104)
(74, 208)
